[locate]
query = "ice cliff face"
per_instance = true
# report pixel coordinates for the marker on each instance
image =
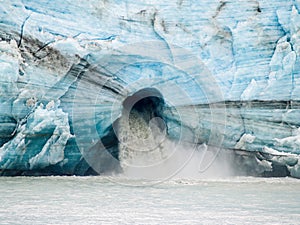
(224, 73)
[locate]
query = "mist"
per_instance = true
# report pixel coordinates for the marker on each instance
(146, 152)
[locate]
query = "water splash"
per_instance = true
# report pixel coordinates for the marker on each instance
(146, 152)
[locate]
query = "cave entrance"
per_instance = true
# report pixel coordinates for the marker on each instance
(148, 103)
(141, 129)
(130, 136)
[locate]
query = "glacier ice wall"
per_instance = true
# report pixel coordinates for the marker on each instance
(229, 73)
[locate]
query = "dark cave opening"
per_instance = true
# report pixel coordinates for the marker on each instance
(148, 103)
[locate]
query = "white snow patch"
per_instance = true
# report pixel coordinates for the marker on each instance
(246, 138)
(250, 90)
(275, 152)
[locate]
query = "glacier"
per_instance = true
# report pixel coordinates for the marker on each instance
(223, 73)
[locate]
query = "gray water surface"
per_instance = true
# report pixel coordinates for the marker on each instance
(100, 200)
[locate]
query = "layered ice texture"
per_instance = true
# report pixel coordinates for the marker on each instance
(227, 74)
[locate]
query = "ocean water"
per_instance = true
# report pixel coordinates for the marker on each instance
(118, 200)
